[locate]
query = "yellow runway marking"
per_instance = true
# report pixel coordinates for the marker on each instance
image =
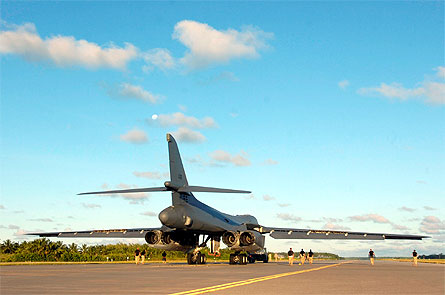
(250, 281)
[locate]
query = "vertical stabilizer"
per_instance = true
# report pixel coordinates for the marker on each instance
(177, 173)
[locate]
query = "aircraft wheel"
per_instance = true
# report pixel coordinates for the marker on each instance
(202, 258)
(232, 259)
(243, 259)
(190, 259)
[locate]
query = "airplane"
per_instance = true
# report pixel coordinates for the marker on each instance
(187, 219)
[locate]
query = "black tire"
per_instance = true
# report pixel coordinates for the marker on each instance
(203, 259)
(231, 259)
(190, 259)
(243, 259)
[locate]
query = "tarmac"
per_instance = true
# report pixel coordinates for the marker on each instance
(323, 277)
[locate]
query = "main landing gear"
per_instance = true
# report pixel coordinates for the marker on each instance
(238, 258)
(196, 258)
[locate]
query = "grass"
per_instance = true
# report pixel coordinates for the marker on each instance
(437, 261)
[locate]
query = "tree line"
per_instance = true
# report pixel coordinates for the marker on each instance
(47, 250)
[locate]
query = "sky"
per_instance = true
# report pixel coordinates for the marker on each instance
(331, 113)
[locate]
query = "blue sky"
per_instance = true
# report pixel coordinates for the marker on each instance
(331, 113)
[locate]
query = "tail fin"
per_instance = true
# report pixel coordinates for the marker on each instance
(177, 173)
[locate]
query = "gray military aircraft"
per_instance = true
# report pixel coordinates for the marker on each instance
(187, 219)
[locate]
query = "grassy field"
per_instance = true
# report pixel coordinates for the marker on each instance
(437, 261)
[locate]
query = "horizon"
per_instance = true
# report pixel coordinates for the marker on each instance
(332, 114)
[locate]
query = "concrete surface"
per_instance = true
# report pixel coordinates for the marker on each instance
(323, 277)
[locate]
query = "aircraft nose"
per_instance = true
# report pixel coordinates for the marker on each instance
(163, 216)
(168, 216)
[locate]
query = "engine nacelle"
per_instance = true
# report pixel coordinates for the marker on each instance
(230, 238)
(153, 237)
(246, 238)
(244, 241)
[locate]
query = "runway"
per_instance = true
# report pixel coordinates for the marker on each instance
(323, 277)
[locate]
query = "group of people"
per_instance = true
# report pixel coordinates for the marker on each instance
(303, 256)
(371, 256)
(139, 256)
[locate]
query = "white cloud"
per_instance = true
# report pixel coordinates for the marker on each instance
(249, 197)
(179, 119)
(149, 213)
(288, 217)
(160, 58)
(184, 134)
(209, 46)
(12, 226)
(136, 136)
(404, 208)
(429, 208)
(91, 206)
(370, 217)
(283, 205)
(399, 227)
(2, 207)
(430, 91)
(432, 225)
(42, 219)
(134, 198)
(395, 90)
(20, 233)
(435, 92)
(268, 198)
(333, 226)
(129, 91)
(270, 162)
(440, 72)
(150, 175)
(64, 51)
(343, 84)
(225, 157)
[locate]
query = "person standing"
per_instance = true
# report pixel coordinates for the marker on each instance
(164, 257)
(290, 254)
(311, 256)
(143, 256)
(276, 257)
(414, 258)
(302, 256)
(137, 254)
(371, 256)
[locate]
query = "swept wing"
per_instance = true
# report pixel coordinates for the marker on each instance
(100, 233)
(297, 233)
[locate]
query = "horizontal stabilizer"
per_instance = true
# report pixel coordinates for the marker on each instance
(129, 191)
(203, 189)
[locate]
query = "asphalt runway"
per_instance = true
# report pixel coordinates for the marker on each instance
(323, 277)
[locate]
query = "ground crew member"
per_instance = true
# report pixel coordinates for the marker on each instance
(311, 256)
(137, 254)
(371, 256)
(164, 257)
(302, 256)
(414, 258)
(291, 256)
(143, 256)
(276, 257)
